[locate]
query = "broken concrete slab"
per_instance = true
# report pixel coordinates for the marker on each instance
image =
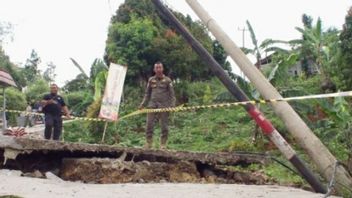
(65, 149)
(52, 176)
(93, 163)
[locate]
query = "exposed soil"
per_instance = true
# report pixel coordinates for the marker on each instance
(109, 164)
(106, 171)
(101, 166)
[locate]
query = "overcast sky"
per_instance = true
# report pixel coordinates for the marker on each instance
(60, 29)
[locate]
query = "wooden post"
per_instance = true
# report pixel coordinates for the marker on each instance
(4, 121)
(315, 149)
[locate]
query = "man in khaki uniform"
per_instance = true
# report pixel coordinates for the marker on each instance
(159, 94)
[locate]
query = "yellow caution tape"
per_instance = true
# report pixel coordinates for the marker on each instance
(26, 113)
(222, 105)
(193, 108)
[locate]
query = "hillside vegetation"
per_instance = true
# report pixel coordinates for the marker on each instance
(138, 37)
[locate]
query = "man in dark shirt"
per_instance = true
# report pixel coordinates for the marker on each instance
(53, 106)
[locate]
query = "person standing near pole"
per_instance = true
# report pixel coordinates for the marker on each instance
(159, 94)
(53, 106)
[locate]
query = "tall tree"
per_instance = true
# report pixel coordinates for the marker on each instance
(79, 67)
(49, 74)
(97, 66)
(128, 45)
(36, 90)
(139, 38)
(6, 31)
(307, 21)
(255, 51)
(80, 83)
(316, 50)
(266, 46)
(98, 76)
(346, 49)
(311, 46)
(5, 63)
(30, 70)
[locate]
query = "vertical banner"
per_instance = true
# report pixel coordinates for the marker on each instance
(113, 91)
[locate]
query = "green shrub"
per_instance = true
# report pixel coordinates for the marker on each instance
(78, 102)
(36, 90)
(15, 100)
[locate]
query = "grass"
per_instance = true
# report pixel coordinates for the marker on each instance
(211, 130)
(214, 130)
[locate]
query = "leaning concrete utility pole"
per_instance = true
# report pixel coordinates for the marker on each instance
(252, 110)
(316, 150)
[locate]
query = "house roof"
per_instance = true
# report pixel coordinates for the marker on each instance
(6, 80)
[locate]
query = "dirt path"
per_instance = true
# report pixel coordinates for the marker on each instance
(12, 183)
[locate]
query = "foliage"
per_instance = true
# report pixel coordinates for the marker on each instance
(266, 46)
(208, 96)
(97, 66)
(94, 128)
(256, 50)
(80, 68)
(279, 72)
(30, 71)
(311, 45)
(78, 102)
(337, 127)
(15, 72)
(15, 100)
(345, 69)
(307, 21)
(283, 175)
(77, 84)
(49, 74)
(36, 90)
(189, 130)
(138, 37)
(317, 48)
(99, 84)
(128, 44)
(6, 31)
(205, 130)
(220, 56)
(77, 131)
(140, 8)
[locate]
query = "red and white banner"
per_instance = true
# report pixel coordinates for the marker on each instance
(113, 91)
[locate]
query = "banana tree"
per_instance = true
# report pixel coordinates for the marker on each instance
(99, 72)
(267, 46)
(79, 67)
(312, 44)
(99, 84)
(318, 52)
(316, 46)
